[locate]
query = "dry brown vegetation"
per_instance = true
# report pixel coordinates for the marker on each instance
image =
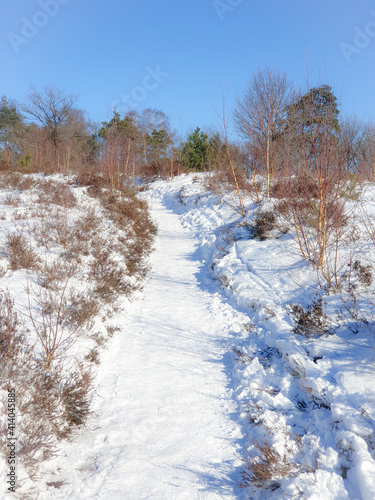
(267, 466)
(102, 246)
(19, 253)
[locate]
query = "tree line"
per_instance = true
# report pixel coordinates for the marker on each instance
(280, 130)
(49, 133)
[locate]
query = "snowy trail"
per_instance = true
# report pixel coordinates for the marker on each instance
(164, 406)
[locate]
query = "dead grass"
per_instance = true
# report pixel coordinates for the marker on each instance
(298, 372)
(267, 467)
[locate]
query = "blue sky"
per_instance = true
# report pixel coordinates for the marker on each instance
(179, 55)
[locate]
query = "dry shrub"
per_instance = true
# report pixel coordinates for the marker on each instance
(26, 183)
(110, 278)
(4, 165)
(12, 180)
(131, 212)
(19, 253)
(220, 182)
(264, 223)
(58, 326)
(268, 467)
(87, 178)
(12, 200)
(56, 229)
(16, 180)
(89, 223)
(302, 186)
(57, 399)
(132, 216)
(82, 309)
(310, 320)
(363, 273)
(11, 337)
(76, 397)
(52, 274)
(51, 230)
(135, 252)
(153, 171)
(93, 356)
(51, 192)
(35, 443)
(50, 405)
(82, 232)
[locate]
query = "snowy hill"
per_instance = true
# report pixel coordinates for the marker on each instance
(234, 366)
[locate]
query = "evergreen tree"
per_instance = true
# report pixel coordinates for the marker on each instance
(318, 108)
(10, 123)
(157, 144)
(195, 150)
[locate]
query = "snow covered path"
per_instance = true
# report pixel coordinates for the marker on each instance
(164, 428)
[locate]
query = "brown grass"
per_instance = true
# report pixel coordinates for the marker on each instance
(267, 466)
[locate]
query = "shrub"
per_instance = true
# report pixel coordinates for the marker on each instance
(59, 326)
(19, 253)
(57, 193)
(310, 320)
(304, 185)
(11, 338)
(110, 279)
(267, 467)
(264, 223)
(12, 200)
(76, 397)
(82, 309)
(52, 274)
(364, 273)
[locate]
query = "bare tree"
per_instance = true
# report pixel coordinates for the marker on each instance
(51, 108)
(226, 142)
(367, 151)
(259, 113)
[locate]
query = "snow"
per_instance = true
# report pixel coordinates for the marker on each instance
(205, 364)
(166, 422)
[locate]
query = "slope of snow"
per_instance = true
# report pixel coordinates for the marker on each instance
(312, 399)
(166, 422)
(199, 363)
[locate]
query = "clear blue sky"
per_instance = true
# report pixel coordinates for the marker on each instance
(105, 51)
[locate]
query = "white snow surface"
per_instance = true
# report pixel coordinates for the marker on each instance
(205, 365)
(167, 424)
